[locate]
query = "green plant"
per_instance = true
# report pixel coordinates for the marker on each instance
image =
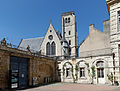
(87, 64)
(93, 73)
(110, 77)
(76, 74)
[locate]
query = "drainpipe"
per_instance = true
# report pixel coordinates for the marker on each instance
(113, 67)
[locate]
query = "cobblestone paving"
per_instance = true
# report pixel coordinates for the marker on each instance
(74, 87)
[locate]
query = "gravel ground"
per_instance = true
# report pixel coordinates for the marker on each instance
(74, 87)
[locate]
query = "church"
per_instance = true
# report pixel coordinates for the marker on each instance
(55, 44)
(95, 60)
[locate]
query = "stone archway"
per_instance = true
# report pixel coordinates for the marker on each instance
(100, 70)
(81, 70)
(68, 71)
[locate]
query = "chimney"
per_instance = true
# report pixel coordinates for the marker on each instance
(91, 28)
(106, 27)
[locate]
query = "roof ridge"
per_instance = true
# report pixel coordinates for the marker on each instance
(34, 38)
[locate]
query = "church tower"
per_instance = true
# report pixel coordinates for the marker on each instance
(70, 32)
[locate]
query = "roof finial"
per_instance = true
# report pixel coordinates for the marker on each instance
(50, 21)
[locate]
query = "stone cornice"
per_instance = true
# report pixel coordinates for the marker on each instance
(110, 2)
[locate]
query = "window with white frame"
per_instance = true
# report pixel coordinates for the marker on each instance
(100, 73)
(82, 72)
(100, 69)
(119, 21)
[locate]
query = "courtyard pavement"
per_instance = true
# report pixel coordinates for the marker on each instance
(74, 87)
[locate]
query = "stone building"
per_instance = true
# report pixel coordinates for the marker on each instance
(55, 44)
(95, 58)
(114, 13)
(23, 68)
(98, 59)
(99, 53)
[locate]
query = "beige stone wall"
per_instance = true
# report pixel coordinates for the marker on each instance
(4, 69)
(40, 69)
(95, 40)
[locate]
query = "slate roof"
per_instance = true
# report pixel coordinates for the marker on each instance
(59, 35)
(34, 44)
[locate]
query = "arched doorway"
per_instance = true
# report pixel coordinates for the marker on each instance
(100, 72)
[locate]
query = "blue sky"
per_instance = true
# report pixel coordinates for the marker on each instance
(31, 18)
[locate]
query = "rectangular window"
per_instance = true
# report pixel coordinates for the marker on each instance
(67, 72)
(69, 42)
(65, 20)
(69, 20)
(119, 21)
(82, 72)
(69, 32)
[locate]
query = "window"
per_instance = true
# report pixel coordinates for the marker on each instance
(69, 51)
(119, 21)
(53, 48)
(50, 37)
(82, 72)
(48, 48)
(67, 72)
(69, 32)
(100, 73)
(69, 20)
(69, 42)
(65, 20)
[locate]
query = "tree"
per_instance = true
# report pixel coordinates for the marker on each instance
(93, 73)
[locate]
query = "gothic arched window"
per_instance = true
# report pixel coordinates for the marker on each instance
(48, 48)
(53, 48)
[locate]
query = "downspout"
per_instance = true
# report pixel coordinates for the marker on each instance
(113, 67)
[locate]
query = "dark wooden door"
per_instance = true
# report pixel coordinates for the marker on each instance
(20, 64)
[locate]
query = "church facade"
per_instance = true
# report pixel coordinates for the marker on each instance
(55, 44)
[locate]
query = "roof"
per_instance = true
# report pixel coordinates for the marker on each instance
(34, 44)
(59, 35)
(68, 13)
